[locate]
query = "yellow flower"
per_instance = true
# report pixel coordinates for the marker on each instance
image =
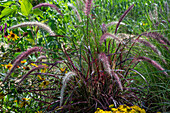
(101, 111)
(44, 69)
(63, 70)
(2, 95)
(34, 64)
(138, 109)
(8, 66)
(114, 109)
(41, 77)
(24, 61)
(15, 100)
(44, 84)
(2, 65)
(24, 102)
(38, 112)
(13, 36)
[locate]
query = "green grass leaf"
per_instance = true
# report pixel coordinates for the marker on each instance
(8, 11)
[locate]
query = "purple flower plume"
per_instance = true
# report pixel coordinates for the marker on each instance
(21, 57)
(46, 5)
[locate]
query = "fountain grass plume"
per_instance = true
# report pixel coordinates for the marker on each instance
(158, 37)
(66, 78)
(146, 43)
(122, 17)
(113, 23)
(104, 59)
(39, 24)
(21, 57)
(48, 5)
(154, 63)
(106, 35)
(75, 10)
(88, 6)
(41, 57)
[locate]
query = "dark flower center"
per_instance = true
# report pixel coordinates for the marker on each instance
(45, 83)
(12, 35)
(8, 67)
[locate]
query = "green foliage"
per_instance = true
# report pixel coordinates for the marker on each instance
(78, 48)
(26, 7)
(8, 10)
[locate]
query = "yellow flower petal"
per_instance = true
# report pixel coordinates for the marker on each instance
(13, 36)
(44, 84)
(8, 66)
(34, 64)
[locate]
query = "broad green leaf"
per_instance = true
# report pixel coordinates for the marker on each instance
(31, 41)
(16, 54)
(8, 11)
(26, 7)
(5, 4)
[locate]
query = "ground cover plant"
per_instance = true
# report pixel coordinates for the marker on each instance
(84, 56)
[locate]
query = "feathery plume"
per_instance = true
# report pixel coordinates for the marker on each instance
(106, 35)
(146, 43)
(106, 64)
(41, 57)
(122, 17)
(88, 7)
(113, 23)
(48, 5)
(158, 37)
(154, 63)
(155, 12)
(75, 10)
(21, 57)
(66, 78)
(39, 24)
(151, 16)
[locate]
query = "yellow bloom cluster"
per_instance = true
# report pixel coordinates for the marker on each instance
(123, 109)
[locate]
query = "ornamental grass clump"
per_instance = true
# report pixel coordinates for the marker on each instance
(87, 74)
(105, 71)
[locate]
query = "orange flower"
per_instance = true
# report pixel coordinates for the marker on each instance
(24, 61)
(26, 68)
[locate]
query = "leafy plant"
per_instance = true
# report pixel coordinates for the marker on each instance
(60, 58)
